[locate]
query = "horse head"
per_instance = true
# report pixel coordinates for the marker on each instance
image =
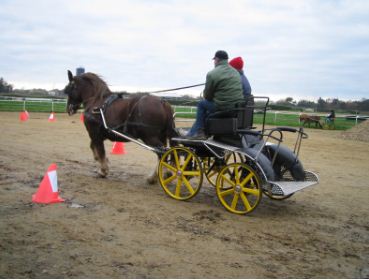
(74, 96)
(87, 89)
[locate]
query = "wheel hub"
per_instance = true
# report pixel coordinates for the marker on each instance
(237, 189)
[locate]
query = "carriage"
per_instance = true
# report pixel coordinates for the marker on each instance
(241, 162)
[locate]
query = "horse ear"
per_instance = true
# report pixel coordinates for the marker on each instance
(70, 76)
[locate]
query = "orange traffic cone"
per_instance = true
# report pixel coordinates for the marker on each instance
(82, 118)
(23, 116)
(52, 117)
(118, 148)
(48, 189)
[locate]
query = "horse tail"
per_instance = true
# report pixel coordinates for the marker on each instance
(171, 126)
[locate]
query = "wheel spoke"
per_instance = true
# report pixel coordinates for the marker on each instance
(231, 174)
(186, 161)
(234, 157)
(188, 185)
(236, 174)
(226, 192)
(169, 179)
(171, 167)
(248, 177)
(211, 173)
(176, 159)
(255, 192)
(178, 187)
(191, 173)
(228, 180)
(212, 165)
(245, 202)
(227, 158)
(234, 201)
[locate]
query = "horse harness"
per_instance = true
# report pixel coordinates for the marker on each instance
(111, 99)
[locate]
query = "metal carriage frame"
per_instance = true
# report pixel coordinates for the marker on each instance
(240, 162)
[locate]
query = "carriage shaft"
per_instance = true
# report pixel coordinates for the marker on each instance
(155, 150)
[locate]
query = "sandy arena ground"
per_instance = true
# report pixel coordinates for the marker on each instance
(129, 229)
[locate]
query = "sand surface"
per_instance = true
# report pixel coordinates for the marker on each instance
(121, 227)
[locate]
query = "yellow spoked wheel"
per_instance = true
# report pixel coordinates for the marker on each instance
(212, 166)
(180, 173)
(238, 188)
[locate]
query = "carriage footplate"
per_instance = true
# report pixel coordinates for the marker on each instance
(284, 188)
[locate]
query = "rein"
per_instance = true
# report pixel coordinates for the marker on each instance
(173, 89)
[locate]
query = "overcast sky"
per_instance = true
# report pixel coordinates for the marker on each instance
(300, 49)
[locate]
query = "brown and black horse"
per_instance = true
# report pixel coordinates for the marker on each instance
(144, 116)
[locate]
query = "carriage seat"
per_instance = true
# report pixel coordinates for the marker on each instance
(232, 121)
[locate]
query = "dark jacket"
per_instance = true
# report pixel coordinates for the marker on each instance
(245, 85)
(223, 86)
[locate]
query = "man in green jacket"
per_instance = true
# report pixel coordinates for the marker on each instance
(223, 89)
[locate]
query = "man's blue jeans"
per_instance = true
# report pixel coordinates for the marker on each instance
(204, 108)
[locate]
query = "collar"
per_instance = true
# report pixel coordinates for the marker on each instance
(222, 62)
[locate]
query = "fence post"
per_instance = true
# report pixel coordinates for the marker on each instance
(52, 105)
(275, 117)
(24, 105)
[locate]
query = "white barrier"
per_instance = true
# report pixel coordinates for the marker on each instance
(30, 104)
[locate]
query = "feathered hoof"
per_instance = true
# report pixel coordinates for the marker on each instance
(102, 173)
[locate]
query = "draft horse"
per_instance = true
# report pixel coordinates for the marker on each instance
(308, 119)
(141, 116)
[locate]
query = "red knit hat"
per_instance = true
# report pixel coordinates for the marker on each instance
(237, 63)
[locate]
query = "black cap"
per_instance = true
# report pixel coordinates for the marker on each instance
(221, 55)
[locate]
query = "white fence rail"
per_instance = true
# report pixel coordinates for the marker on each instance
(49, 104)
(32, 104)
(18, 104)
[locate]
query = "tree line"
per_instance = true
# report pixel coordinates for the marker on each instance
(5, 87)
(289, 104)
(322, 105)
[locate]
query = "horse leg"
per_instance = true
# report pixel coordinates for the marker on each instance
(154, 142)
(98, 151)
(153, 176)
(94, 152)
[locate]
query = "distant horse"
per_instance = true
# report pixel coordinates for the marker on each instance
(142, 116)
(307, 119)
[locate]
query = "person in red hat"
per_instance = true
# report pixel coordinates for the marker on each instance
(237, 63)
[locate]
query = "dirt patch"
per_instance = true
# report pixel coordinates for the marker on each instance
(358, 133)
(120, 227)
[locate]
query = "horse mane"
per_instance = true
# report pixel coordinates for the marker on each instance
(100, 87)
